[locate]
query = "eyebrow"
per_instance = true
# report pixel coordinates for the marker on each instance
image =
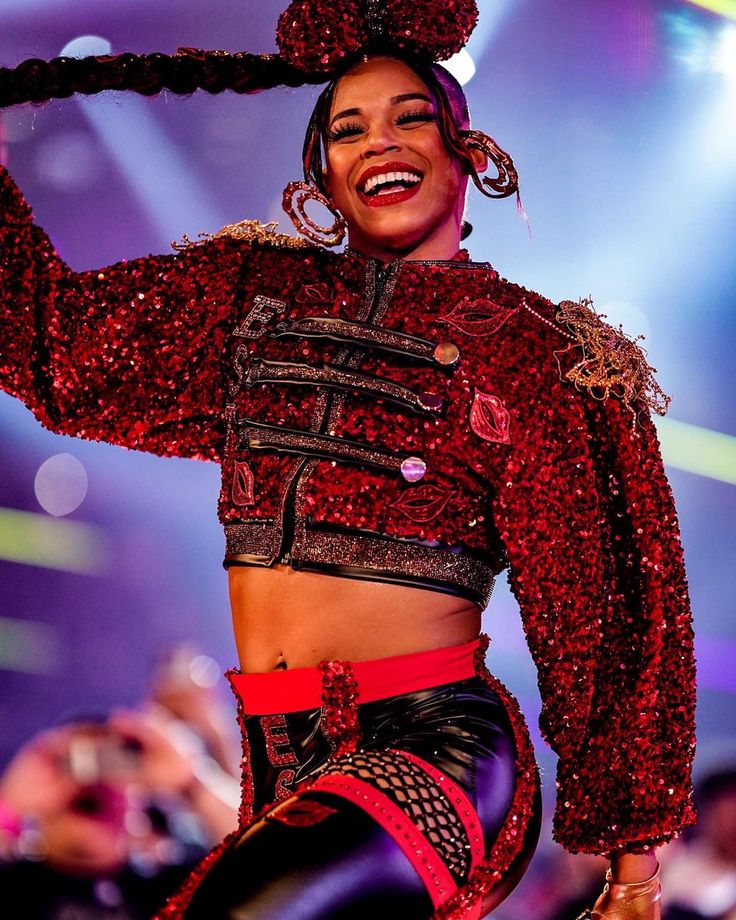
(394, 100)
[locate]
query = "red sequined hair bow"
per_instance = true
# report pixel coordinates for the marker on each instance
(318, 36)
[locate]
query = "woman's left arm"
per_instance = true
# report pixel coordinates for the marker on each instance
(627, 868)
(590, 530)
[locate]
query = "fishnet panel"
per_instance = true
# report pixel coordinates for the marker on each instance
(419, 797)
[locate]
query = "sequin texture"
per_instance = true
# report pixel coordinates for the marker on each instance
(317, 36)
(575, 503)
(340, 706)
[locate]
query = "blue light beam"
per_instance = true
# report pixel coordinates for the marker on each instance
(157, 171)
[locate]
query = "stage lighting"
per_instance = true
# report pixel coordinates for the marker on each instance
(624, 313)
(724, 53)
(722, 7)
(67, 546)
(698, 450)
(703, 45)
(166, 187)
(29, 646)
(86, 46)
(461, 66)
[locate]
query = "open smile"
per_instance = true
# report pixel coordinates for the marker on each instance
(389, 183)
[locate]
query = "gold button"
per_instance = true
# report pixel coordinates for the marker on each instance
(447, 353)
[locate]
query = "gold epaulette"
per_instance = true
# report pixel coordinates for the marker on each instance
(611, 363)
(252, 231)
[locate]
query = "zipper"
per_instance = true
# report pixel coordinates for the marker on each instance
(288, 509)
(288, 506)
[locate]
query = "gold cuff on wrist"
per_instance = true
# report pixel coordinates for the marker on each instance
(627, 897)
(629, 891)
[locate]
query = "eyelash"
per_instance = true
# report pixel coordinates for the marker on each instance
(352, 128)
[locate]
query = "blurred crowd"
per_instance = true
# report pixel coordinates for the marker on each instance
(102, 818)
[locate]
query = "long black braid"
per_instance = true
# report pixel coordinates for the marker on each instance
(38, 81)
(190, 69)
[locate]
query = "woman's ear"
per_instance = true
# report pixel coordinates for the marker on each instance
(474, 142)
(479, 158)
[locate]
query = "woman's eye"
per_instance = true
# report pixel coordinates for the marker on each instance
(346, 129)
(415, 116)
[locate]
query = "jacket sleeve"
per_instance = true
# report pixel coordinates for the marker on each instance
(129, 354)
(588, 522)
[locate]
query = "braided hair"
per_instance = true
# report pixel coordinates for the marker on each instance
(190, 69)
(183, 73)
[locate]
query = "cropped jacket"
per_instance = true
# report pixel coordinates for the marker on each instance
(412, 424)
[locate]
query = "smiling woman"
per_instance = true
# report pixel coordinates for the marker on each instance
(396, 425)
(432, 99)
(389, 171)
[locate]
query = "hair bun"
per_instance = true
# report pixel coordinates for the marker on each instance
(316, 36)
(426, 28)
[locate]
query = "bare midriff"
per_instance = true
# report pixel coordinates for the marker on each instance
(285, 618)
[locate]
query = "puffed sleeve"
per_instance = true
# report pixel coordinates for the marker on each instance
(588, 523)
(129, 354)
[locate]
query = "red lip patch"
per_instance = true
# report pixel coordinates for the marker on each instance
(489, 418)
(424, 504)
(243, 485)
(478, 317)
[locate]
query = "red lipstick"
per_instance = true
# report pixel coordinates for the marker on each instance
(381, 200)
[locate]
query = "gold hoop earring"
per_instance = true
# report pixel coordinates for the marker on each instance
(507, 181)
(296, 195)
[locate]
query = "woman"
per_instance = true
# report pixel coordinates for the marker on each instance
(396, 424)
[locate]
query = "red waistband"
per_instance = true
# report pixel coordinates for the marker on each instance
(275, 692)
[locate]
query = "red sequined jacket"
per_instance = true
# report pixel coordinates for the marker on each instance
(410, 425)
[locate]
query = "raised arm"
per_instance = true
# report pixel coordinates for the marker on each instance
(129, 354)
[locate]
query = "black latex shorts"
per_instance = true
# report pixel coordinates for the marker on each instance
(420, 804)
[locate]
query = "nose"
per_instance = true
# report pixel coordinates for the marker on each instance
(379, 140)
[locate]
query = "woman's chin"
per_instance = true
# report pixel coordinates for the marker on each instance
(391, 238)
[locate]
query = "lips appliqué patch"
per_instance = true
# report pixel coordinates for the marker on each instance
(489, 418)
(478, 317)
(424, 504)
(242, 490)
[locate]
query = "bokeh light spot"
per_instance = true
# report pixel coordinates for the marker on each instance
(61, 484)
(204, 671)
(69, 162)
(86, 46)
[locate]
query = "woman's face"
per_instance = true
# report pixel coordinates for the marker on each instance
(388, 171)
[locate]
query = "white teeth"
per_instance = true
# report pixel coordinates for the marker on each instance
(386, 178)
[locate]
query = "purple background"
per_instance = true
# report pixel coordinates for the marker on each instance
(625, 140)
